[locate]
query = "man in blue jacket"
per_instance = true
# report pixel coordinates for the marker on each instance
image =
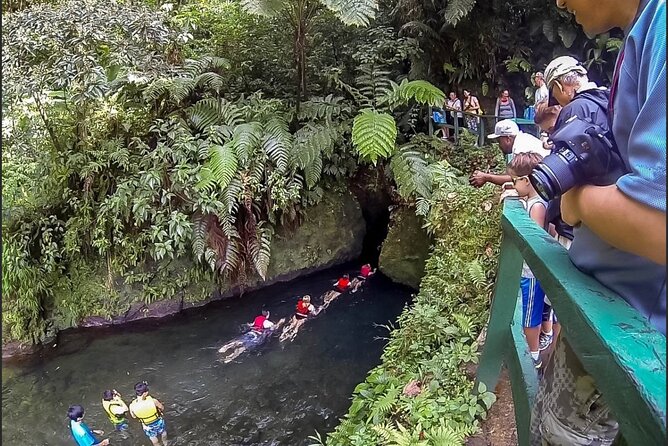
(620, 229)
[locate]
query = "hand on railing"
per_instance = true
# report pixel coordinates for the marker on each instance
(508, 191)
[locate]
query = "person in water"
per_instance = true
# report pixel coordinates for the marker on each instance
(116, 409)
(305, 308)
(149, 411)
(342, 284)
(80, 431)
(260, 329)
(366, 271)
(262, 322)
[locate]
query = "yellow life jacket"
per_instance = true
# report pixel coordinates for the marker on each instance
(145, 410)
(107, 405)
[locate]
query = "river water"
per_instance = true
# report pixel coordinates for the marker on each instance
(278, 395)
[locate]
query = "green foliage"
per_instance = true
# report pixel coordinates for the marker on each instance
(436, 337)
(374, 135)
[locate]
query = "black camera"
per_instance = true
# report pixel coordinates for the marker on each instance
(584, 153)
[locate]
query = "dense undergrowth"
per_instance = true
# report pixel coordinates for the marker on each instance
(435, 338)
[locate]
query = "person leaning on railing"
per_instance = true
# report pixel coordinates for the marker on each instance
(627, 220)
(511, 140)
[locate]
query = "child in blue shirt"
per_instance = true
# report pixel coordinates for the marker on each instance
(80, 431)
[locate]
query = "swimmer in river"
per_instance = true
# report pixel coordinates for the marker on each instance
(304, 310)
(149, 411)
(342, 284)
(116, 409)
(80, 431)
(260, 330)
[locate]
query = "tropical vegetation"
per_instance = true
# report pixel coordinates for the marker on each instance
(155, 149)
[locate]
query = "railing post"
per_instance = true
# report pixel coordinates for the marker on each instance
(498, 339)
(431, 124)
(481, 131)
(456, 122)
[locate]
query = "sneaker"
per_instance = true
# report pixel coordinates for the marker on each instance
(537, 363)
(544, 341)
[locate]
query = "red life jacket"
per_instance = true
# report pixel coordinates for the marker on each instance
(258, 323)
(343, 283)
(302, 308)
(365, 271)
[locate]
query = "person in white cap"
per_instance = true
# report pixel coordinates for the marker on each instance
(542, 92)
(565, 77)
(511, 140)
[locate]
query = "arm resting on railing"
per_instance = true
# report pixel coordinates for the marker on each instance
(618, 220)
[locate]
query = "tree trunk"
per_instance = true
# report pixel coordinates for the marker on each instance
(300, 53)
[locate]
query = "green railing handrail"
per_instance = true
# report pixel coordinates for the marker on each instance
(480, 133)
(617, 346)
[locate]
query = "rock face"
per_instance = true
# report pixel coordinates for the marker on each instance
(406, 248)
(331, 233)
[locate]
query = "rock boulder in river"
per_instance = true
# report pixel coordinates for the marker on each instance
(406, 248)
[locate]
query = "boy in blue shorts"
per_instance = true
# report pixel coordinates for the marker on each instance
(533, 295)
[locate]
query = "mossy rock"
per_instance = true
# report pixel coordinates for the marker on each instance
(406, 248)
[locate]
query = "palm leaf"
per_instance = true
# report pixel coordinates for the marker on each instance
(223, 164)
(266, 8)
(246, 140)
(457, 10)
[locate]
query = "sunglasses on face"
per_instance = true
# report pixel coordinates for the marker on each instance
(516, 179)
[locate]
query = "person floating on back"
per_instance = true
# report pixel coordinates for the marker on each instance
(261, 329)
(305, 308)
(342, 284)
(80, 431)
(149, 411)
(115, 408)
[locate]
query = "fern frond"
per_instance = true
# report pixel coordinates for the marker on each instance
(261, 249)
(457, 10)
(318, 108)
(266, 8)
(199, 237)
(421, 91)
(278, 142)
(246, 140)
(353, 12)
(313, 171)
(411, 173)
(374, 135)
(209, 80)
(223, 164)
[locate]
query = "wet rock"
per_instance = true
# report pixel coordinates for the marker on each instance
(406, 248)
(16, 348)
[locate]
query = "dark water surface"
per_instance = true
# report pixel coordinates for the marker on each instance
(278, 395)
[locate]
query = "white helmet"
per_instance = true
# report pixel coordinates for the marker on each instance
(560, 66)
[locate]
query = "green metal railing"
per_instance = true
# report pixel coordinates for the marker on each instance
(616, 345)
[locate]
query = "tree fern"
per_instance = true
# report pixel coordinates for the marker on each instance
(374, 135)
(261, 249)
(353, 12)
(199, 237)
(223, 164)
(421, 91)
(277, 143)
(326, 108)
(266, 8)
(448, 436)
(374, 86)
(246, 140)
(457, 10)
(411, 173)
(313, 171)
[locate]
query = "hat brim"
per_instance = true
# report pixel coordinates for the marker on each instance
(493, 136)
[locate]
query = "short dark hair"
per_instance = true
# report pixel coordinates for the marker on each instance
(141, 388)
(108, 395)
(75, 412)
(345, 276)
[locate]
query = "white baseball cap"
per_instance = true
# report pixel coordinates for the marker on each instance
(506, 127)
(560, 66)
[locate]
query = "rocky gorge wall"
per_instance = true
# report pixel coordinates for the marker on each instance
(331, 233)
